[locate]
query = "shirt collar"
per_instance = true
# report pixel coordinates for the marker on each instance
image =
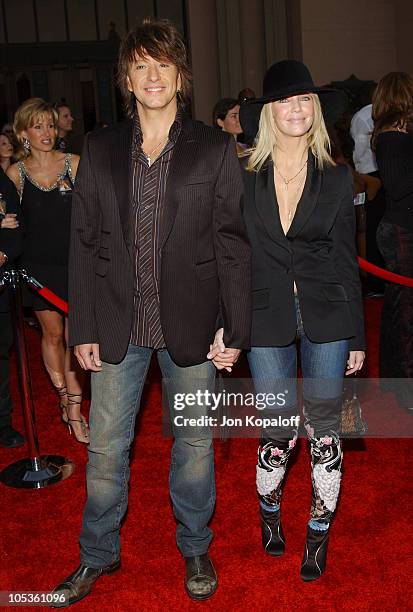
(174, 132)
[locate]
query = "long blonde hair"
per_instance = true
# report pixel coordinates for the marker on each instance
(26, 116)
(265, 144)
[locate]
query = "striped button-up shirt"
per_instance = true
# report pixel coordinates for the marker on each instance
(148, 200)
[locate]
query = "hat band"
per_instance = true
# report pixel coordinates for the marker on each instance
(288, 90)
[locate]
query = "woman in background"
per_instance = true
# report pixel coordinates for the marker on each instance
(226, 117)
(392, 141)
(6, 152)
(44, 179)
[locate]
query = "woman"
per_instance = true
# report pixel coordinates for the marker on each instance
(6, 151)
(300, 219)
(392, 140)
(44, 179)
(226, 117)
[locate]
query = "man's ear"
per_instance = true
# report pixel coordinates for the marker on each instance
(128, 84)
(220, 123)
(179, 83)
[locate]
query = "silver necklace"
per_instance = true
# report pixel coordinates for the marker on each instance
(289, 180)
(149, 155)
(292, 206)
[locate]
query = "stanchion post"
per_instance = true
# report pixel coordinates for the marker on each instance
(36, 471)
(16, 304)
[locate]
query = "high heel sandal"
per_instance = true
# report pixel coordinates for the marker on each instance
(83, 429)
(61, 392)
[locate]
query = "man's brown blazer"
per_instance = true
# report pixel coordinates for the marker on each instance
(205, 254)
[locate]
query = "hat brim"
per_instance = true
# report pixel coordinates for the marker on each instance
(333, 103)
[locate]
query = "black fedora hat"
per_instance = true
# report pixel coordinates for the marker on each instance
(282, 80)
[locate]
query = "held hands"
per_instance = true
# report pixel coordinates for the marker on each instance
(88, 357)
(223, 358)
(9, 221)
(355, 361)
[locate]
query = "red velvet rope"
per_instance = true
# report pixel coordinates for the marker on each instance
(384, 274)
(54, 299)
(363, 263)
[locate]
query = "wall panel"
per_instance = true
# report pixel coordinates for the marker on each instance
(138, 10)
(172, 10)
(82, 21)
(2, 31)
(51, 20)
(108, 11)
(20, 21)
(341, 38)
(404, 30)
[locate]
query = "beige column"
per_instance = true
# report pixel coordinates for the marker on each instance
(229, 44)
(253, 53)
(232, 42)
(203, 42)
(403, 35)
(277, 20)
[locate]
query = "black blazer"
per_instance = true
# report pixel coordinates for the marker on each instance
(318, 253)
(11, 240)
(205, 254)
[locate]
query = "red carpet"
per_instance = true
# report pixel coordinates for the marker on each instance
(370, 555)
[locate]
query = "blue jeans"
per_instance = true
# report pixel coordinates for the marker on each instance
(274, 370)
(116, 394)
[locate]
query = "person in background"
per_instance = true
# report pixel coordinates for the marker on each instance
(361, 129)
(100, 125)
(6, 151)
(44, 179)
(393, 144)
(64, 126)
(8, 130)
(225, 116)
(246, 94)
(10, 248)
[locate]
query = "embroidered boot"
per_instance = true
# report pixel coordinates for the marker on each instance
(326, 461)
(272, 462)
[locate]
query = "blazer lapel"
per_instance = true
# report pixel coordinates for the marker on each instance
(121, 164)
(266, 202)
(184, 154)
(308, 199)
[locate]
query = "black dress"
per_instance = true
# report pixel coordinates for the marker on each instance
(47, 232)
(394, 153)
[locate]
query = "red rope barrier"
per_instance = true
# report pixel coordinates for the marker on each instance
(54, 299)
(384, 274)
(45, 292)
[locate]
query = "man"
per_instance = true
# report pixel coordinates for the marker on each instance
(10, 249)
(361, 129)
(159, 254)
(64, 126)
(246, 94)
